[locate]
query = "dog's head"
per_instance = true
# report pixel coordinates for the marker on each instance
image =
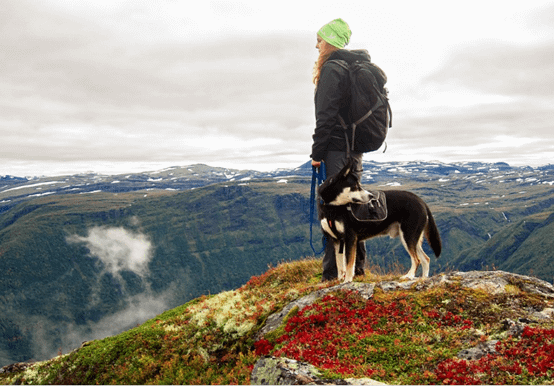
(343, 188)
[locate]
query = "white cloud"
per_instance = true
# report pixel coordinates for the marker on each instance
(500, 68)
(118, 249)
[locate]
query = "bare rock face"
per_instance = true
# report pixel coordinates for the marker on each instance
(284, 371)
(494, 282)
(498, 281)
(14, 368)
(480, 351)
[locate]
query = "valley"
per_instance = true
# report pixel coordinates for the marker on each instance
(87, 256)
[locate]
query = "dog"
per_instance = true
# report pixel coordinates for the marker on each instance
(408, 217)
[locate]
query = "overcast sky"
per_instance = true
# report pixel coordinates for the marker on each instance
(113, 86)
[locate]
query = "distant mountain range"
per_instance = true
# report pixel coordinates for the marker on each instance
(14, 189)
(86, 256)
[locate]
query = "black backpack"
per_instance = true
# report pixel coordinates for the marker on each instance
(369, 112)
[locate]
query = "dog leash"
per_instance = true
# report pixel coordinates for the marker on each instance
(318, 176)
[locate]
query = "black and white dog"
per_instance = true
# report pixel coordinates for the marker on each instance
(408, 217)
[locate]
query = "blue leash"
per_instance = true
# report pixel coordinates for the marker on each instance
(318, 176)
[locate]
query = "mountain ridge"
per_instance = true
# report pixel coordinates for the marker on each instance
(198, 175)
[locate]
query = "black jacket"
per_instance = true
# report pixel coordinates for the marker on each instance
(332, 98)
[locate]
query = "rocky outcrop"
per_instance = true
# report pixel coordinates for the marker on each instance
(282, 371)
(14, 368)
(479, 351)
(275, 320)
(494, 282)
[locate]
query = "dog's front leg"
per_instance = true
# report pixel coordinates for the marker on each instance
(350, 253)
(340, 258)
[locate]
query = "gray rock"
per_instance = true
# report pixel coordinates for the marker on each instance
(14, 368)
(547, 313)
(397, 285)
(493, 282)
(514, 327)
(479, 351)
(496, 282)
(284, 371)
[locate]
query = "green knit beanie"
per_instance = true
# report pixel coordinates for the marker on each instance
(336, 33)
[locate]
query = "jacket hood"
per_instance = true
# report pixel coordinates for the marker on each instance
(350, 56)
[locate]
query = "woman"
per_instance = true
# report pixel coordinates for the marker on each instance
(331, 100)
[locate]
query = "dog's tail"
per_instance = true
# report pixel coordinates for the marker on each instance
(432, 234)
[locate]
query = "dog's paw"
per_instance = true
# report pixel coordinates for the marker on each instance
(407, 277)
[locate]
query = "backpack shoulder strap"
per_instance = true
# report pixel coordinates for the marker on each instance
(340, 62)
(344, 64)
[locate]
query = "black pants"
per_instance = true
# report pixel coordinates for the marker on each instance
(334, 162)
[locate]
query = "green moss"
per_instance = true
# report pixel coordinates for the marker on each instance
(211, 339)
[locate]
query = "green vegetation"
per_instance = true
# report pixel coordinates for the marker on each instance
(399, 337)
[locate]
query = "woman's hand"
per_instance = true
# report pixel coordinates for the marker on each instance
(316, 164)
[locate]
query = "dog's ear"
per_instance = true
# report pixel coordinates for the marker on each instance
(347, 168)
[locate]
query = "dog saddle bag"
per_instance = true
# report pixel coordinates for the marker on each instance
(374, 210)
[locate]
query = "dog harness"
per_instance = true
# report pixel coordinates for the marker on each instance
(335, 232)
(374, 210)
